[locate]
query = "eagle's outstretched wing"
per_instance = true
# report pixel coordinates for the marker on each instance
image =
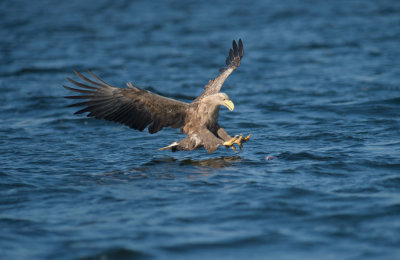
(132, 106)
(232, 62)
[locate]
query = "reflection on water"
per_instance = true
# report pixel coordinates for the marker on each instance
(170, 168)
(219, 162)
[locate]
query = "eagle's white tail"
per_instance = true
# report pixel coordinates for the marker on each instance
(169, 146)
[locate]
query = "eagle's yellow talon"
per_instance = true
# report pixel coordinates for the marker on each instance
(237, 139)
(245, 139)
(239, 142)
(230, 142)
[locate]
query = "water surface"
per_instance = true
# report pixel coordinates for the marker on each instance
(318, 89)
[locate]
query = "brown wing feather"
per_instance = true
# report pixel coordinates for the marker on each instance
(133, 106)
(232, 62)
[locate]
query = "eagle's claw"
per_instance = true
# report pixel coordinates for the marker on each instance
(230, 142)
(237, 139)
(241, 140)
(245, 139)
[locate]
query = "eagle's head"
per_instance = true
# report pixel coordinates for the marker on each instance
(219, 99)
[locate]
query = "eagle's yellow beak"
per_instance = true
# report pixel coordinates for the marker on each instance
(229, 104)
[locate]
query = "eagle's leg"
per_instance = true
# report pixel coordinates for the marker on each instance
(223, 134)
(209, 140)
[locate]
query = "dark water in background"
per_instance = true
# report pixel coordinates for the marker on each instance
(318, 89)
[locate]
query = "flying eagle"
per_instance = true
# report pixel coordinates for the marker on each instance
(138, 108)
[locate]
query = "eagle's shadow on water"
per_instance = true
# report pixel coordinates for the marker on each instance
(171, 168)
(218, 162)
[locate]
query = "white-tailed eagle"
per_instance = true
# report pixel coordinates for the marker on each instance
(138, 108)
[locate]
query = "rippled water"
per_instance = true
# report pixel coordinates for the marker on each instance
(318, 89)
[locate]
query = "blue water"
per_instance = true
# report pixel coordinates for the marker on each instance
(318, 89)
